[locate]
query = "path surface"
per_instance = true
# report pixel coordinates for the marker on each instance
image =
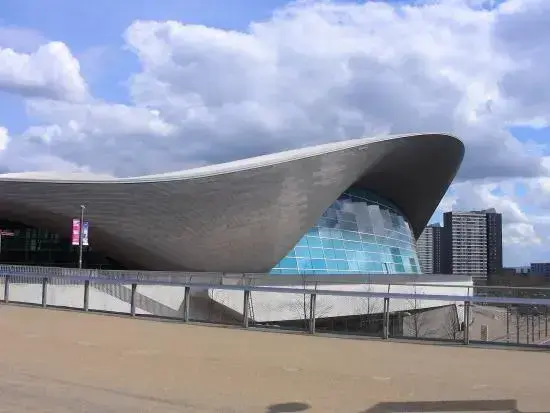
(61, 361)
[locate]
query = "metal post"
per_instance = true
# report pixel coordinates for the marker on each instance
(312, 307)
(133, 301)
(80, 236)
(527, 328)
(546, 322)
(518, 320)
(466, 322)
(507, 323)
(186, 302)
(44, 292)
(246, 308)
(386, 319)
(538, 320)
(7, 289)
(86, 295)
(533, 328)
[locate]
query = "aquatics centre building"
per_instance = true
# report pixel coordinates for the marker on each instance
(344, 208)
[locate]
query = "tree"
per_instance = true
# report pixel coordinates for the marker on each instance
(452, 326)
(416, 317)
(366, 307)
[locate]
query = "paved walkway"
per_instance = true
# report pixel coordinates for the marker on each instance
(60, 361)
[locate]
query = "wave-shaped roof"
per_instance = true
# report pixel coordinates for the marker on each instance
(239, 216)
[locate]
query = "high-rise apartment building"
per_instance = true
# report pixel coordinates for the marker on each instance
(472, 243)
(428, 248)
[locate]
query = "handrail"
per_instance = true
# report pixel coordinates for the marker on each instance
(293, 290)
(419, 280)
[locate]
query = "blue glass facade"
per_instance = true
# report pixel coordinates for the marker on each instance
(360, 233)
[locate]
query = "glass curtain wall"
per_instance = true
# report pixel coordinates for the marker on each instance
(360, 233)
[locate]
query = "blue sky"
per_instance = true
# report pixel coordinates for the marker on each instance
(474, 71)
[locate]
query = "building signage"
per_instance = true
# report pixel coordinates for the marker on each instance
(76, 232)
(85, 233)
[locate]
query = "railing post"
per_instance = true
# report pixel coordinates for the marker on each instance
(386, 319)
(86, 295)
(186, 303)
(466, 322)
(7, 289)
(44, 292)
(246, 308)
(533, 328)
(508, 323)
(518, 321)
(312, 308)
(527, 328)
(546, 322)
(133, 300)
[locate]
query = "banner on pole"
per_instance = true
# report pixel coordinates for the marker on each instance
(85, 233)
(76, 232)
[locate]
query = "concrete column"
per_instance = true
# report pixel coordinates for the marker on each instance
(44, 292)
(186, 303)
(86, 295)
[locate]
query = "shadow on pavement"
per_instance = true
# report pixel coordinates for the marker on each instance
(485, 406)
(288, 407)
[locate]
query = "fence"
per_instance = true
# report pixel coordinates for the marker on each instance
(312, 304)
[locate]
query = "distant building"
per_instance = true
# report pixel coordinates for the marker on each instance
(428, 248)
(542, 268)
(472, 243)
(518, 277)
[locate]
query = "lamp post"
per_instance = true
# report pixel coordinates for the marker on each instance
(81, 235)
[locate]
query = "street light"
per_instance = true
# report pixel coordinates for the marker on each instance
(81, 235)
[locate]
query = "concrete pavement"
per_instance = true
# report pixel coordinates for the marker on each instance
(61, 361)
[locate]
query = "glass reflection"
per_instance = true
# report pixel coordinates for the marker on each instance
(359, 233)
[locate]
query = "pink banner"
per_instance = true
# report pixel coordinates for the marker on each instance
(76, 232)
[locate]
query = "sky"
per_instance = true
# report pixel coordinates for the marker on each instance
(136, 86)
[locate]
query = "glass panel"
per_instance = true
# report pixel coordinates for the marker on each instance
(338, 244)
(314, 242)
(359, 233)
(319, 264)
(317, 253)
(288, 263)
(340, 254)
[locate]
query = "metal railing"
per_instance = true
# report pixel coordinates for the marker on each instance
(526, 317)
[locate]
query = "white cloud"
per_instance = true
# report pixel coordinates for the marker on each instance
(477, 195)
(314, 72)
(50, 72)
(323, 71)
(4, 138)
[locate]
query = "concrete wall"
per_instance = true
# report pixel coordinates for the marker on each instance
(267, 307)
(227, 306)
